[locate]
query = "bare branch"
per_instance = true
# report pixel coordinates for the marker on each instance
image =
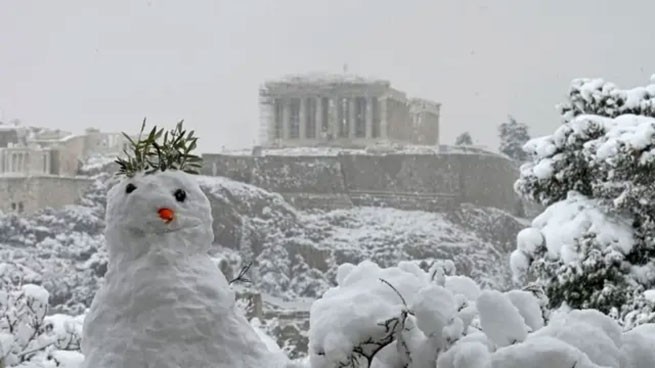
(241, 277)
(396, 290)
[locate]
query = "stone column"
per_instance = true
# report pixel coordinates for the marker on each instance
(352, 117)
(286, 118)
(369, 117)
(302, 134)
(384, 118)
(318, 119)
(333, 123)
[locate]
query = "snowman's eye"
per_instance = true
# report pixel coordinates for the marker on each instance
(130, 188)
(180, 195)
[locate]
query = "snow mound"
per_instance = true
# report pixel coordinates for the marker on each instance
(413, 321)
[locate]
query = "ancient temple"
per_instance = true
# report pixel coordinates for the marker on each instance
(343, 110)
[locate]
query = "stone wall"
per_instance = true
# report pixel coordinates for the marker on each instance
(69, 155)
(29, 194)
(304, 181)
(487, 181)
(430, 182)
(425, 182)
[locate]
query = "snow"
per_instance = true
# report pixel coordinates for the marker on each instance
(544, 169)
(650, 295)
(632, 131)
(352, 312)
(162, 289)
(637, 350)
(347, 325)
(471, 355)
(36, 293)
(463, 285)
(528, 306)
(529, 240)
(434, 308)
(587, 337)
(565, 222)
(519, 263)
(68, 359)
(545, 352)
(499, 319)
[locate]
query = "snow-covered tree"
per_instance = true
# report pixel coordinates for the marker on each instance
(464, 139)
(30, 338)
(596, 173)
(513, 135)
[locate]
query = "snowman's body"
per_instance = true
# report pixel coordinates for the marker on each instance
(164, 303)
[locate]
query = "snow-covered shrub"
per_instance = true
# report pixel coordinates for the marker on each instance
(596, 173)
(402, 317)
(30, 338)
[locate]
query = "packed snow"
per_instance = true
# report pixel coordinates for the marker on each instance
(164, 302)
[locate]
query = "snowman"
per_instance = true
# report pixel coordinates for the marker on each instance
(164, 303)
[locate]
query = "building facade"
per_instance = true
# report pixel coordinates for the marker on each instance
(343, 110)
(39, 167)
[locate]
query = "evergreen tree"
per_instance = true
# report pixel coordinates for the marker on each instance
(464, 139)
(513, 135)
(605, 154)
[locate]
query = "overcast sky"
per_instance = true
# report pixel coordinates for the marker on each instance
(107, 64)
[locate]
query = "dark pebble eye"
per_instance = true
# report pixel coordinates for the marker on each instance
(180, 195)
(130, 188)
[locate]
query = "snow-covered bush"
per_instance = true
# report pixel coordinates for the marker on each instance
(596, 173)
(28, 337)
(406, 317)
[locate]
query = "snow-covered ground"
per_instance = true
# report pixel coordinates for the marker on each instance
(296, 254)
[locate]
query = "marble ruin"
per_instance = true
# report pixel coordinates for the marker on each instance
(345, 111)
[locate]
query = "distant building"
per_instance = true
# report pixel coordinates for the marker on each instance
(39, 167)
(343, 110)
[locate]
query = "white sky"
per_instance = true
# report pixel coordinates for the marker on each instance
(75, 64)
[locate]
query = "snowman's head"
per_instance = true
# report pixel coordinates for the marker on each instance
(161, 205)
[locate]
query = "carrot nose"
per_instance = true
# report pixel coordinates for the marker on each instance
(166, 214)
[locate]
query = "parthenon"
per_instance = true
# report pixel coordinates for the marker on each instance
(343, 110)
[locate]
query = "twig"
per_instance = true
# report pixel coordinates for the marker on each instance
(241, 277)
(396, 290)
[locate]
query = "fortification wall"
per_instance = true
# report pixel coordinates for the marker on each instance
(487, 181)
(428, 182)
(425, 182)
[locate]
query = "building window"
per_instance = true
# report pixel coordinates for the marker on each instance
(294, 118)
(13, 206)
(360, 117)
(375, 110)
(278, 118)
(310, 118)
(20, 207)
(343, 112)
(325, 114)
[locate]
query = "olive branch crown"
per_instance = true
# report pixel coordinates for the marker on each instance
(160, 150)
